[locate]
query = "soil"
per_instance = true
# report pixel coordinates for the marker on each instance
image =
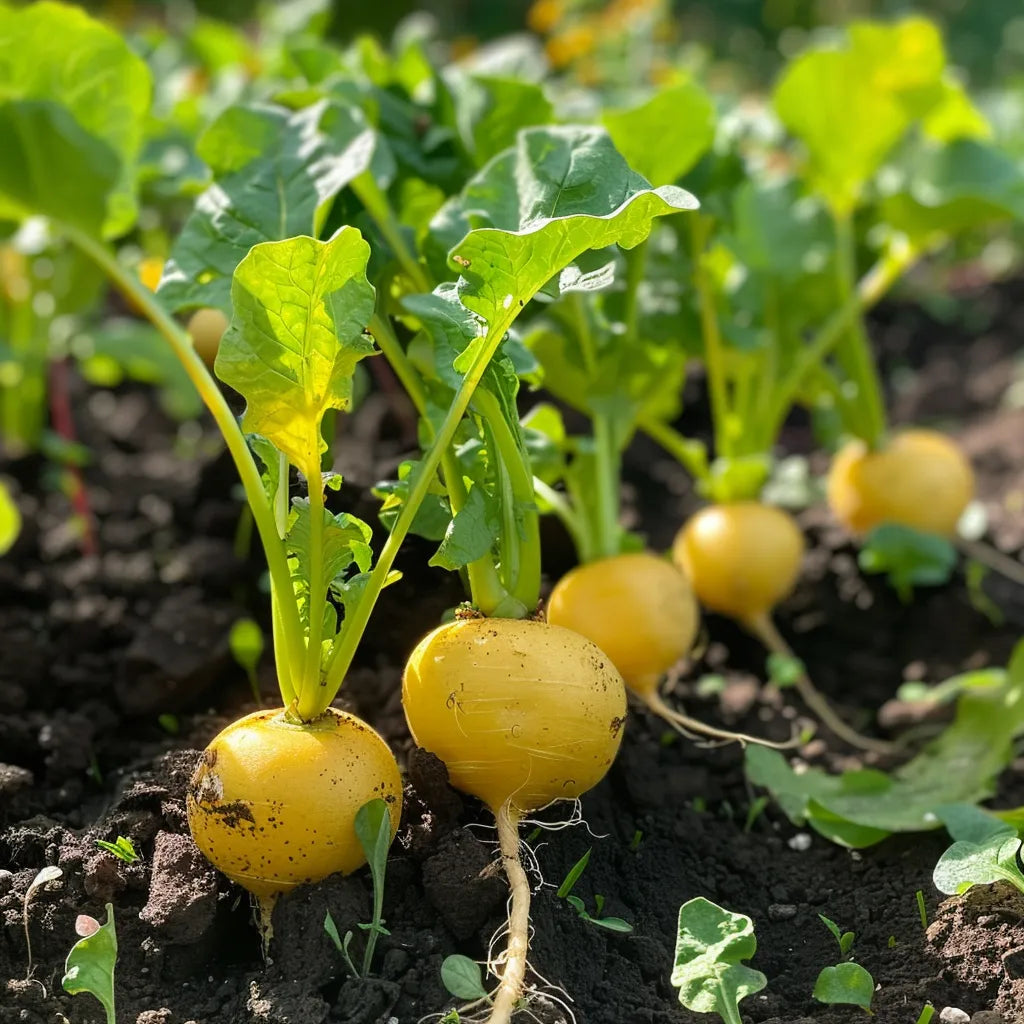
(115, 672)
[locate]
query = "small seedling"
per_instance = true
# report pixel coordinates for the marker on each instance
(846, 984)
(246, 642)
(463, 978)
(634, 843)
(169, 724)
(974, 577)
(908, 558)
(845, 939)
(892, 942)
(47, 874)
(754, 811)
(373, 829)
(613, 924)
(921, 909)
(784, 669)
(711, 944)
(573, 876)
(90, 964)
(123, 849)
(985, 850)
(926, 1014)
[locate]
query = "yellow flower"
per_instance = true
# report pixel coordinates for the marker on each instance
(567, 46)
(544, 15)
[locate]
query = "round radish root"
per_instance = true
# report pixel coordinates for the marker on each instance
(523, 713)
(206, 327)
(638, 608)
(919, 479)
(273, 804)
(742, 558)
(518, 710)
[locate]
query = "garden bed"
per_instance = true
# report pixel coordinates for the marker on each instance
(110, 666)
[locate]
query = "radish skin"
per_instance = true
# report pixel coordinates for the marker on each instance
(640, 610)
(742, 559)
(523, 714)
(919, 479)
(272, 804)
(206, 327)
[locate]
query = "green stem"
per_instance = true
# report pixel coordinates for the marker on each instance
(181, 344)
(317, 581)
(484, 585)
(522, 578)
(873, 286)
(608, 467)
(714, 352)
(345, 647)
(636, 268)
(854, 346)
(574, 524)
(377, 206)
(691, 454)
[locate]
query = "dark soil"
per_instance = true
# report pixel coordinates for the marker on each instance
(110, 666)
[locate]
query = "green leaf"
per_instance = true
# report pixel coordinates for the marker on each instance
(859, 808)
(471, 533)
(73, 98)
(300, 309)
(850, 105)
(123, 849)
(373, 830)
(90, 964)
(846, 984)
(966, 864)
(941, 190)
(275, 170)
(831, 926)
(711, 944)
(246, 643)
(663, 137)
(346, 541)
(10, 520)
(907, 557)
(967, 823)
(488, 110)
(535, 208)
(462, 977)
(573, 876)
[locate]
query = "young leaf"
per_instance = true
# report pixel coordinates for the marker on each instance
(90, 964)
(667, 134)
(965, 865)
(534, 208)
(711, 944)
(123, 849)
(246, 643)
(846, 984)
(10, 521)
(274, 170)
(470, 534)
(73, 98)
(860, 808)
(300, 308)
(462, 977)
(908, 557)
(882, 79)
(373, 829)
(573, 876)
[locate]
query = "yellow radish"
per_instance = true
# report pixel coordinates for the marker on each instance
(206, 327)
(273, 803)
(640, 610)
(919, 479)
(523, 714)
(743, 558)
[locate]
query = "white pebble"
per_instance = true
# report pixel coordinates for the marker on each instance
(800, 842)
(953, 1015)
